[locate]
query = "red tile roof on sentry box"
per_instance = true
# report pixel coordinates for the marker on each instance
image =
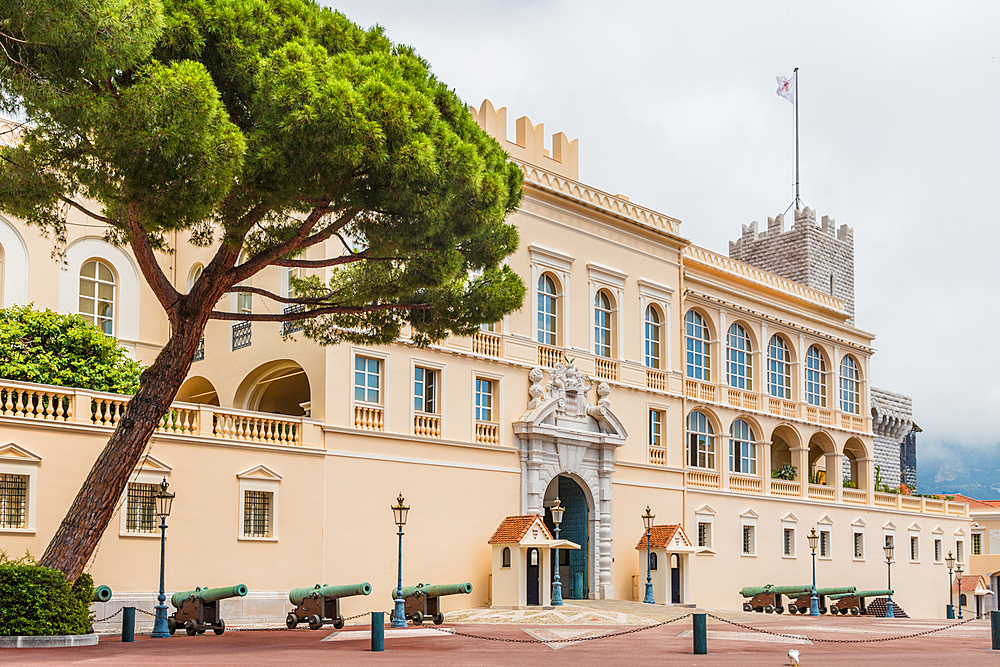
(661, 536)
(513, 528)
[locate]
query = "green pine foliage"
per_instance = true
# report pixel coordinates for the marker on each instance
(63, 350)
(36, 600)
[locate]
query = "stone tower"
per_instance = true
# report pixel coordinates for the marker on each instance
(815, 255)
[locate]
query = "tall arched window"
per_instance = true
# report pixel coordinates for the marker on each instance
(696, 338)
(652, 338)
(546, 310)
(602, 325)
(779, 371)
(194, 275)
(850, 386)
(700, 441)
(742, 448)
(815, 377)
(97, 295)
(739, 367)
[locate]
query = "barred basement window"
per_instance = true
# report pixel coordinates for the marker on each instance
(789, 541)
(140, 508)
(824, 544)
(914, 548)
(977, 544)
(859, 545)
(937, 551)
(256, 514)
(13, 501)
(748, 541)
(960, 551)
(704, 534)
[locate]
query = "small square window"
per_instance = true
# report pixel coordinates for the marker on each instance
(749, 540)
(425, 390)
(367, 379)
(484, 400)
(140, 508)
(257, 517)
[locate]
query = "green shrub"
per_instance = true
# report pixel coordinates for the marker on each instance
(36, 600)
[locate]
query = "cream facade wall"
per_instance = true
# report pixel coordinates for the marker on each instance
(242, 424)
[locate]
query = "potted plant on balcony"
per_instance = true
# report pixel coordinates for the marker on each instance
(786, 472)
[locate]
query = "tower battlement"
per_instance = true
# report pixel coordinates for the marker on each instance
(819, 255)
(529, 143)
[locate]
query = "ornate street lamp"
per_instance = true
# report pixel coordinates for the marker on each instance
(647, 520)
(950, 560)
(163, 501)
(557, 514)
(889, 613)
(399, 511)
(813, 542)
(958, 575)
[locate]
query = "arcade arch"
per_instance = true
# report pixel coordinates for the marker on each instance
(197, 389)
(279, 387)
(821, 448)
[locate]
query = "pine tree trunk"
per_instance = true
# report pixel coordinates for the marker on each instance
(94, 506)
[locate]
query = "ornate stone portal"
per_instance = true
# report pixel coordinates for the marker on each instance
(562, 433)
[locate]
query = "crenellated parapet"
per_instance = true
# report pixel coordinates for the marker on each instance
(529, 145)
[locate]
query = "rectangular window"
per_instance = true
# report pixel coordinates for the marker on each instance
(257, 514)
(367, 379)
(914, 548)
(824, 544)
(484, 400)
(937, 551)
(748, 541)
(890, 541)
(960, 551)
(424, 390)
(655, 428)
(859, 546)
(788, 541)
(704, 534)
(13, 501)
(140, 517)
(977, 544)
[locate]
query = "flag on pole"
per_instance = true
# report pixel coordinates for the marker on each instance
(786, 88)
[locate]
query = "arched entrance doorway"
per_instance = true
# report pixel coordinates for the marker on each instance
(574, 565)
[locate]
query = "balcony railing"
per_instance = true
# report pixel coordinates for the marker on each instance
(745, 400)
(369, 417)
(820, 492)
(427, 425)
(854, 496)
(487, 433)
(749, 485)
(702, 479)
(782, 408)
(607, 369)
(487, 344)
(657, 456)
(656, 380)
(819, 415)
(548, 357)
(701, 391)
(295, 325)
(241, 335)
(785, 489)
(852, 422)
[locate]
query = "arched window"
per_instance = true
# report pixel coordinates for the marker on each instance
(602, 325)
(850, 386)
(700, 441)
(97, 295)
(505, 557)
(739, 367)
(696, 338)
(546, 310)
(742, 448)
(779, 370)
(652, 338)
(194, 275)
(815, 377)
(652, 561)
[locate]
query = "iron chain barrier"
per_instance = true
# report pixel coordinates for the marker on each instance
(841, 641)
(561, 641)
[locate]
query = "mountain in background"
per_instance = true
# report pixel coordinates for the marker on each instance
(955, 469)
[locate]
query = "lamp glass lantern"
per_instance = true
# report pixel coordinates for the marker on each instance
(889, 548)
(399, 511)
(163, 499)
(647, 519)
(950, 560)
(557, 512)
(813, 539)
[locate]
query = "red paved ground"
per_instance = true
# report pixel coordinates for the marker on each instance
(658, 646)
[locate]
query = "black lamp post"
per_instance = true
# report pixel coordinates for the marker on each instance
(813, 542)
(958, 575)
(647, 520)
(557, 515)
(163, 502)
(950, 560)
(399, 511)
(889, 548)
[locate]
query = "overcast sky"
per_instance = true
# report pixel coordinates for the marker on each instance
(674, 105)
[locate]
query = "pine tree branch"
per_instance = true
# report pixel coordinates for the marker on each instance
(309, 314)
(306, 301)
(165, 292)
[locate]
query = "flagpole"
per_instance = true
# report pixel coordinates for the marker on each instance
(797, 199)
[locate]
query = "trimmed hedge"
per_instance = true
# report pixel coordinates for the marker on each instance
(36, 600)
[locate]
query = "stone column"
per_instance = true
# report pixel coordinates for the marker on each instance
(535, 496)
(835, 469)
(800, 459)
(866, 473)
(765, 467)
(605, 532)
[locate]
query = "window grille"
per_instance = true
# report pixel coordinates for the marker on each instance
(602, 325)
(546, 310)
(697, 347)
(13, 500)
(824, 544)
(789, 541)
(977, 544)
(960, 551)
(256, 514)
(937, 551)
(294, 325)
(241, 335)
(139, 517)
(652, 351)
(199, 354)
(739, 367)
(914, 548)
(704, 536)
(859, 545)
(748, 540)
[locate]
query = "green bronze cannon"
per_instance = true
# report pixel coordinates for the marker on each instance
(853, 603)
(102, 593)
(423, 600)
(198, 610)
(802, 601)
(320, 603)
(766, 599)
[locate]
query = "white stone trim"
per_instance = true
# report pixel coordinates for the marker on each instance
(14, 285)
(259, 478)
(15, 460)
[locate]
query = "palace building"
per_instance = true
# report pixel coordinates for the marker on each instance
(729, 394)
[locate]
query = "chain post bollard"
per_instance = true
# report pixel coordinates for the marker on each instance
(128, 624)
(378, 631)
(995, 629)
(700, 627)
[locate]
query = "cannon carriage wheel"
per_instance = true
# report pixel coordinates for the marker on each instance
(315, 622)
(171, 626)
(855, 611)
(190, 628)
(747, 606)
(439, 618)
(291, 621)
(779, 609)
(338, 623)
(220, 628)
(418, 618)
(769, 609)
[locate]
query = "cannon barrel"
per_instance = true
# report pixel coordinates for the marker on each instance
(750, 591)
(297, 595)
(102, 593)
(209, 594)
(861, 594)
(434, 591)
(799, 591)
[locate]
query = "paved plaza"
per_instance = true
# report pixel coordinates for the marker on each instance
(582, 633)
